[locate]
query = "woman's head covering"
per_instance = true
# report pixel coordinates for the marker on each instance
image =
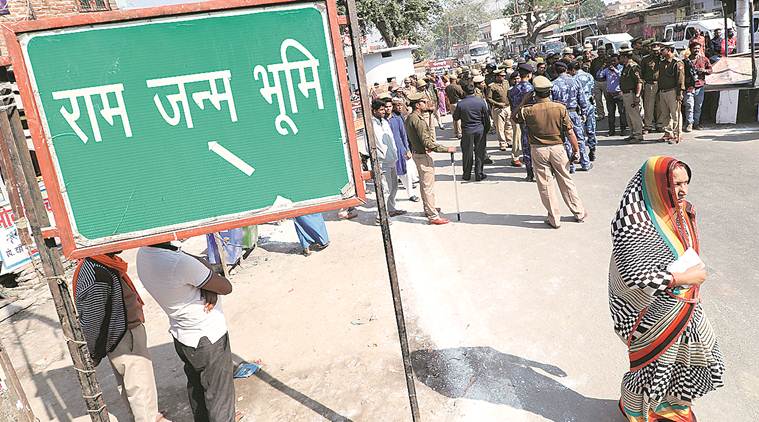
(653, 185)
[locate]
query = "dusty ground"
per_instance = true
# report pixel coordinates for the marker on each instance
(508, 320)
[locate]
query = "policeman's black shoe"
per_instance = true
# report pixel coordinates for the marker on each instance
(588, 168)
(697, 127)
(480, 177)
(487, 160)
(530, 176)
(592, 154)
(612, 132)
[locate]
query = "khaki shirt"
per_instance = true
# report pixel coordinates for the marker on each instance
(546, 122)
(420, 135)
(498, 95)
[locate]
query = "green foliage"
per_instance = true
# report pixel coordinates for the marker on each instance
(396, 20)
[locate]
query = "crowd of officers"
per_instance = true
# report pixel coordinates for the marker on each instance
(646, 85)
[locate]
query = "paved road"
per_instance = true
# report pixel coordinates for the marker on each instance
(508, 320)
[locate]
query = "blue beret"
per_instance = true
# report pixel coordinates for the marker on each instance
(526, 67)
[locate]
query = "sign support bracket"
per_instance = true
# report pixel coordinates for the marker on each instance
(34, 208)
(392, 271)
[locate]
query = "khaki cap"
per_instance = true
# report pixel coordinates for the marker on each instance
(567, 50)
(384, 96)
(508, 63)
(415, 97)
(539, 60)
(421, 84)
(541, 83)
(479, 78)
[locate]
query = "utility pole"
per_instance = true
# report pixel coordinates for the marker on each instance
(743, 25)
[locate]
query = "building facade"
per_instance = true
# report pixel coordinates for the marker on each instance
(16, 10)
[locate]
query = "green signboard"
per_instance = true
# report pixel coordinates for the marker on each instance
(174, 122)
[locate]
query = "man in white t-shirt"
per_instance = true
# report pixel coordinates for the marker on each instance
(188, 290)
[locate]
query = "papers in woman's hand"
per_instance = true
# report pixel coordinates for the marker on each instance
(688, 260)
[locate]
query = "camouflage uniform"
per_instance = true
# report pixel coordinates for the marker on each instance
(516, 95)
(587, 83)
(567, 91)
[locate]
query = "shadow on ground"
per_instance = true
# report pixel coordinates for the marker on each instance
(483, 373)
(61, 393)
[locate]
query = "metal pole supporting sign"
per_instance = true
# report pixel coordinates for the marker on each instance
(381, 206)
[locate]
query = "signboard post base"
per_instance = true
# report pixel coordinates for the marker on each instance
(34, 210)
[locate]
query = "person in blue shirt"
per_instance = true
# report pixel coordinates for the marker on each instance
(580, 71)
(613, 96)
(567, 91)
(523, 91)
(474, 115)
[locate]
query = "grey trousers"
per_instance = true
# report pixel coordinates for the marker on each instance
(209, 371)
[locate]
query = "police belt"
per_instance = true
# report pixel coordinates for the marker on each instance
(629, 91)
(652, 82)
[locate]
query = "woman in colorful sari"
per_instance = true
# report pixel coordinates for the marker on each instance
(673, 352)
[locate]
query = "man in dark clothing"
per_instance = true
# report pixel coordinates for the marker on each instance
(472, 111)
(110, 312)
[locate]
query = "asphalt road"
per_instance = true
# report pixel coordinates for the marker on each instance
(508, 320)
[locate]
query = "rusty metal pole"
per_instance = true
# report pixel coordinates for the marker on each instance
(358, 58)
(36, 219)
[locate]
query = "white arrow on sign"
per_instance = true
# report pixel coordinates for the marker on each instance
(230, 158)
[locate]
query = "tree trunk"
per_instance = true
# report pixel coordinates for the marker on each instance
(386, 32)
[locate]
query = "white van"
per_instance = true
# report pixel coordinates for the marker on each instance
(681, 33)
(609, 41)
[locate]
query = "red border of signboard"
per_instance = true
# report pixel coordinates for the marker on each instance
(63, 224)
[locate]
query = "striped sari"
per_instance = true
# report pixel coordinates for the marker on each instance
(674, 355)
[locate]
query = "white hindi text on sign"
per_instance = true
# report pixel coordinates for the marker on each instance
(270, 90)
(107, 112)
(180, 98)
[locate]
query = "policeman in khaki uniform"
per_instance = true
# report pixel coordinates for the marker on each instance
(422, 142)
(547, 122)
(671, 89)
(498, 100)
(650, 75)
(631, 85)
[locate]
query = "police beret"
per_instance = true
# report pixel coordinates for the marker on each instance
(560, 65)
(479, 78)
(416, 97)
(526, 67)
(541, 83)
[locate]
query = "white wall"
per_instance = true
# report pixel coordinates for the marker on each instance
(399, 65)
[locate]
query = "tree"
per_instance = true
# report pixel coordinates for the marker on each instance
(456, 23)
(536, 15)
(533, 15)
(396, 20)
